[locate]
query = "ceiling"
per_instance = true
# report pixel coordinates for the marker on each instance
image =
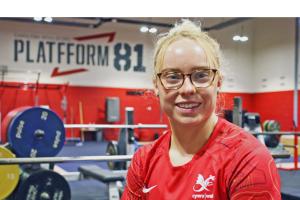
(95, 22)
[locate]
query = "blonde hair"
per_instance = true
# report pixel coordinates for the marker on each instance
(187, 29)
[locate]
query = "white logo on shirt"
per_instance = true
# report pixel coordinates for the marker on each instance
(202, 184)
(146, 190)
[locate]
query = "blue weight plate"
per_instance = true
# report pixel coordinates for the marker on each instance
(43, 185)
(36, 132)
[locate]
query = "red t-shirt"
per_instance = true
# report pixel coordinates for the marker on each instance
(231, 165)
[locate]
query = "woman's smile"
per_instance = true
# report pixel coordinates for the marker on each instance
(188, 107)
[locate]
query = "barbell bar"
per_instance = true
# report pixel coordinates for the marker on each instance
(275, 133)
(9, 161)
(115, 126)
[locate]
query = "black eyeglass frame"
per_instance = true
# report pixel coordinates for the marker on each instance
(190, 77)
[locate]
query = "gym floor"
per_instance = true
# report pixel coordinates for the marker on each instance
(87, 189)
(93, 189)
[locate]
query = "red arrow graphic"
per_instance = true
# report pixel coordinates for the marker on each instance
(55, 72)
(111, 36)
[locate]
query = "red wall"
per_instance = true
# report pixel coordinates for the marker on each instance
(272, 105)
(146, 107)
(278, 106)
(226, 100)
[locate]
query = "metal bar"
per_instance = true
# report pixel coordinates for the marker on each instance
(101, 20)
(142, 22)
(295, 109)
(115, 126)
(275, 133)
(9, 161)
(297, 21)
(55, 22)
(289, 146)
(227, 23)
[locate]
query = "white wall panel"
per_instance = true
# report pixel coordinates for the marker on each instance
(237, 58)
(274, 47)
(264, 63)
(97, 75)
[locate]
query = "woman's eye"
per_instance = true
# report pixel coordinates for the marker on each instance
(200, 75)
(173, 76)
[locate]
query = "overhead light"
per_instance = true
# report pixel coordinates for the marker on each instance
(244, 38)
(37, 19)
(153, 30)
(48, 19)
(240, 37)
(144, 29)
(236, 38)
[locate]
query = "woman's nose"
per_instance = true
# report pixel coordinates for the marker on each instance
(187, 86)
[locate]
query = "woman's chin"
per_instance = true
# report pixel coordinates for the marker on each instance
(189, 120)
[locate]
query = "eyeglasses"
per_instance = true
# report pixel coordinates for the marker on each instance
(200, 78)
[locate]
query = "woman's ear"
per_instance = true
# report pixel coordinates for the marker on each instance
(219, 84)
(220, 81)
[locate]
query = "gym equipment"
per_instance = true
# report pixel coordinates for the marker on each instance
(279, 151)
(271, 140)
(113, 146)
(101, 126)
(271, 125)
(125, 144)
(41, 184)
(9, 161)
(34, 132)
(112, 109)
(252, 123)
(112, 149)
(111, 178)
(237, 111)
(276, 133)
(9, 174)
(6, 121)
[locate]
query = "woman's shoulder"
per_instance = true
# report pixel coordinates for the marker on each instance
(156, 147)
(233, 136)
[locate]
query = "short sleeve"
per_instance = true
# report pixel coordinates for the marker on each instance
(134, 179)
(254, 176)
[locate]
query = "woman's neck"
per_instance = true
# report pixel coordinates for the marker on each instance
(189, 140)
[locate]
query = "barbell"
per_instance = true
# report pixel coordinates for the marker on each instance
(276, 133)
(35, 135)
(100, 126)
(10, 161)
(39, 132)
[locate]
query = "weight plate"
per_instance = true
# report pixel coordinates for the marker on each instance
(273, 126)
(265, 125)
(9, 174)
(112, 149)
(271, 141)
(43, 185)
(36, 132)
(6, 121)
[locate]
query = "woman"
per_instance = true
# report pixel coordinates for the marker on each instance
(202, 156)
